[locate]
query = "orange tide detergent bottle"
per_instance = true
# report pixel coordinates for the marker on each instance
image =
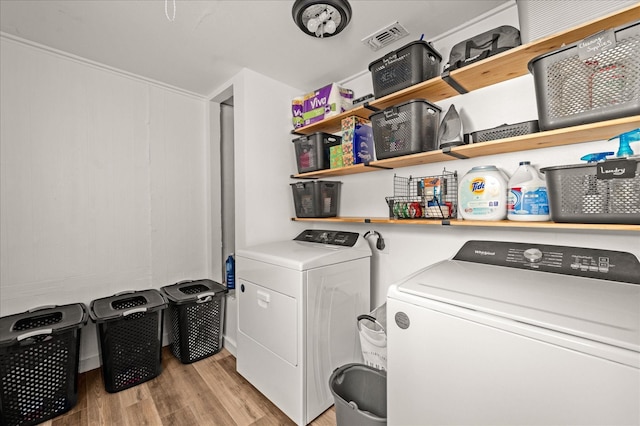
(482, 194)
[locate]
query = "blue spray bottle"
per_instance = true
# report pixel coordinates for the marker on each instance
(625, 139)
(230, 266)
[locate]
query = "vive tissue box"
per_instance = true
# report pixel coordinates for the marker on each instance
(357, 141)
(325, 102)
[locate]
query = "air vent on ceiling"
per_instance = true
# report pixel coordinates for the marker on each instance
(385, 36)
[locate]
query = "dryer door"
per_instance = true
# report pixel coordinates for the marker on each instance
(270, 318)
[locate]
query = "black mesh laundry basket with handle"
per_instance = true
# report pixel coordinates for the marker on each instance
(196, 311)
(129, 336)
(39, 356)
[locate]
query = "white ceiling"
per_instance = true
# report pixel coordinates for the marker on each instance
(210, 41)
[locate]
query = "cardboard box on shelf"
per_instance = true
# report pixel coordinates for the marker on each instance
(358, 134)
(325, 102)
(335, 157)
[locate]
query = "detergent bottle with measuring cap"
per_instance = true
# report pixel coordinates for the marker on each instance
(527, 199)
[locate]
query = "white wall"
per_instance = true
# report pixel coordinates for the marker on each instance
(103, 183)
(263, 162)
(412, 247)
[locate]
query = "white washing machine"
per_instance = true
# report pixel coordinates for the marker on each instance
(298, 301)
(513, 333)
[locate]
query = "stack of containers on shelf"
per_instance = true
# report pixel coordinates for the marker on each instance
(357, 141)
(527, 198)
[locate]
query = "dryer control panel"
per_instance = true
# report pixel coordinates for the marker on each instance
(336, 238)
(579, 261)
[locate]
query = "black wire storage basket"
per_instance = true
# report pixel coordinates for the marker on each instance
(196, 312)
(39, 356)
(430, 197)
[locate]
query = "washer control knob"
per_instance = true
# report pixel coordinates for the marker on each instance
(533, 255)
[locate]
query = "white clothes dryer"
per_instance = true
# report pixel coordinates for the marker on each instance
(512, 333)
(298, 303)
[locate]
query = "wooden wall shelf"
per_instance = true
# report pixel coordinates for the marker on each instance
(502, 67)
(477, 223)
(571, 135)
(496, 69)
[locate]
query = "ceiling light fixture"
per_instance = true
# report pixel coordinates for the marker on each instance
(321, 18)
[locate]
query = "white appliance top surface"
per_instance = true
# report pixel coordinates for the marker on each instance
(599, 310)
(301, 255)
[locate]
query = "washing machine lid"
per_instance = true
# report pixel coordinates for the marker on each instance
(309, 250)
(571, 290)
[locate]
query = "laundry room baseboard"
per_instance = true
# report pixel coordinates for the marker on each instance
(230, 345)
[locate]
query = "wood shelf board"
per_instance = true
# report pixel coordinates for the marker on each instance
(433, 90)
(479, 223)
(333, 124)
(566, 136)
(341, 171)
(414, 159)
(514, 62)
(329, 219)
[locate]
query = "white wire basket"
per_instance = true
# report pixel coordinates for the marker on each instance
(373, 337)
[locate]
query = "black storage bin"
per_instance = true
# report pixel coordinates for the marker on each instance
(505, 131)
(129, 336)
(312, 151)
(320, 198)
(196, 313)
(580, 194)
(39, 356)
(411, 64)
(573, 88)
(406, 128)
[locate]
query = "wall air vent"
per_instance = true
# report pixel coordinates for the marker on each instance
(385, 36)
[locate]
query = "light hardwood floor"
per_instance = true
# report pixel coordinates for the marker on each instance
(207, 392)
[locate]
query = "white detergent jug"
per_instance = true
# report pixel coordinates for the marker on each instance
(482, 194)
(527, 199)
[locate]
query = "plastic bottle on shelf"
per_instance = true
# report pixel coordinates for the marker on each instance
(230, 266)
(527, 198)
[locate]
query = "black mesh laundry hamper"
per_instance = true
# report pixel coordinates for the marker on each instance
(130, 337)
(39, 355)
(196, 311)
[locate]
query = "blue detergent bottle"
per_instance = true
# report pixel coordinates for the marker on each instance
(230, 266)
(624, 150)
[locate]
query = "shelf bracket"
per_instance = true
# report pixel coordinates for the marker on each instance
(447, 150)
(368, 164)
(446, 222)
(451, 82)
(370, 107)
(367, 220)
(302, 177)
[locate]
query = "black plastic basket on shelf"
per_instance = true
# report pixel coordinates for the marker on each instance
(320, 198)
(505, 131)
(196, 312)
(130, 337)
(432, 197)
(411, 64)
(595, 192)
(406, 128)
(312, 151)
(39, 357)
(592, 80)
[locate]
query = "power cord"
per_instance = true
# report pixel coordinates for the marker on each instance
(379, 242)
